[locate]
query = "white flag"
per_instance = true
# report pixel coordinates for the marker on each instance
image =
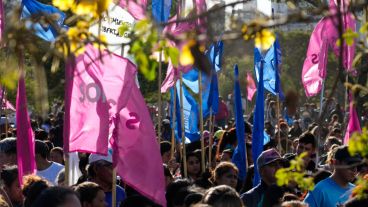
(265, 7)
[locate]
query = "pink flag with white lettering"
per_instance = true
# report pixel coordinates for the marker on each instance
(353, 125)
(324, 36)
(2, 20)
(251, 87)
(97, 88)
(136, 153)
(177, 29)
(137, 8)
(25, 137)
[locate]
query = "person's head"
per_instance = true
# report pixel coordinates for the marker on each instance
(57, 155)
(296, 124)
(168, 176)
(138, 200)
(9, 177)
(41, 150)
(306, 143)
(226, 155)
(222, 196)
(226, 173)
(165, 149)
(60, 178)
(8, 152)
(194, 163)
(268, 163)
(227, 141)
(33, 186)
(57, 197)
(91, 195)
(345, 165)
(294, 204)
(100, 169)
(331, 141)
(174, 188)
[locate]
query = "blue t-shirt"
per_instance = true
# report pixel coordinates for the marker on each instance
(328, 193)
(120, 196)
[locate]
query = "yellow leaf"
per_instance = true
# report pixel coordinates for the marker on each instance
(63, 5)
(264, 39)
(186, 57)
(85, 7)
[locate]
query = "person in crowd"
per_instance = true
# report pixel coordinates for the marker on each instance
(9, 178)
(45, 168)
(60, 179)
(222, 196)
(57, 155)
(227, 141)
(91, 195)
(223, 113)
(33, 186)
(330, 141)
(295, 130)
(3, 202)
(226, 155)
(57, 197)
(226, 173)
(294, 204)
(100, 172)
(173, 189)
(169, 178)
(8, 152)
(307, 143)
(138, 201)
(268, 163)
(165, 149)
(193, 165)
(336, 189)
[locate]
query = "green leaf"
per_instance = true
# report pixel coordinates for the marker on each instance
(173, 53)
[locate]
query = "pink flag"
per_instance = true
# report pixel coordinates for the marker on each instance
(25, 138)
(173, 29)
(251, 87)
(5, 103)
(136, 153)
(137, 8)
(2, 20)
(97, 88)
(353, 125)
(325, 35)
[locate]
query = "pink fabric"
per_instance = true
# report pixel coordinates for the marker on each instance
(137, 8)
(25, 137)
(6, 104)
(136, 153)
(251, 87)
(353, 125)
(173, 29)
(2, 20)
(325, 35)
(89, 115)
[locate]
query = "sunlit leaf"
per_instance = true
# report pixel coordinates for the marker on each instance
(264, 39)
(186, 56)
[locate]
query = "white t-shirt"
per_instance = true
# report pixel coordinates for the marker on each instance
(51, 172)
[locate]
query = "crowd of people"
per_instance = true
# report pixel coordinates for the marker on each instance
(327, 160)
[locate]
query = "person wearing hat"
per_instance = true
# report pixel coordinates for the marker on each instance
(336, 189)
(100, 171)
(268, 162)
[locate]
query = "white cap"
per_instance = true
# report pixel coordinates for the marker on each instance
(96, 157)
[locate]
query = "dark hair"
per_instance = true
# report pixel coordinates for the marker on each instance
(49, 144)
(53, 197)
(165, 146)
(223, 196)
(41, 134)
(33, 186)
(334, 140)
(58, 150)
(173, 189)
(8, 146)
(307, 138)
(138, 200)
(355, 202)
(87, 191)
(41, 149)
(9, 174)
(228, 138)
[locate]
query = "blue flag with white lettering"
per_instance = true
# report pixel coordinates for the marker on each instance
(161, 10)
(239, 156)
(45, 31)
(271, 76)
(258, 120)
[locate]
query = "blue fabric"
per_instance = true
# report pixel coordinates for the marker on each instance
(177, 125)
(239, 156)
(120, 196)
(161, 10)
(271, 77)
(258, 120)
(33, 7)
(215, 56)
(328, 193)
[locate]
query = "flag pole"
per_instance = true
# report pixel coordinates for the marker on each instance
(173, 124)
(210, 140)
(66, 171)
(320, 127)
(159, 138)
(182, 126)
(201, 122)
(113, 187)
(6, 116)
(2, 108)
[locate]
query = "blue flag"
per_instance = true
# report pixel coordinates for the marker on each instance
(215, 55)
(271, 76)
(46, 32)
(176, 126)
(161, 10)
(239, 156)
(258, 121)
